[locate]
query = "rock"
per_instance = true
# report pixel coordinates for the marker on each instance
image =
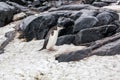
(10, 36)
(37, 26)
(43, 8)
(75, 7)
(67, 23)
(19, 16)
(62, 13)
(100, 4)
(84, 22)
(113, 7)
(106, 18)
(66, 39)
(21, 2)
(105, 47)
(75, 15)
(93, 34)
(6, 12)
(109, 1)
(87, 1)
(86, 12)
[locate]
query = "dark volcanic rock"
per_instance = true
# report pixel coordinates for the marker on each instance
(84, 22)
(93, 34)
(75, 15)
(106, 18)
(75, 7)
(62, 13)
(88, 1)
(37, 26)
(66, 39)
(6, 13)
(105, 47)
(67, 23)
(109, 1)
(100, 4)
(21, 2)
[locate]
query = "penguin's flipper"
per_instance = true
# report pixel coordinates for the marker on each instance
(44, 45)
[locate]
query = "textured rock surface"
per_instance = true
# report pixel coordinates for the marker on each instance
(95, 33)
(6, 13)
(37, 26)
(84, 22)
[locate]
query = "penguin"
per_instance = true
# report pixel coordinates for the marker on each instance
(51, 38)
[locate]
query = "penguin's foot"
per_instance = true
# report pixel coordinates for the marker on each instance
(51, 49)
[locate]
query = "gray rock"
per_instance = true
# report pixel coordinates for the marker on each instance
(106, 18)
(93, 34)
(84, 22)
(100, 4)
(109, 1)
(75, 7)
(66, 39)
(67, 23)
(105, 47)
(37, 26)
(6, 13)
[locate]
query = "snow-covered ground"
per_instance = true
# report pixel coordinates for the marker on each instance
(23, 61)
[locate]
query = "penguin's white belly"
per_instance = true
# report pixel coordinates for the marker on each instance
(52, 40)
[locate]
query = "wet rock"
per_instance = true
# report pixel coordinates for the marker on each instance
(66, 39)
(106, 18)
(93, 34)
(84, 22)
(6, 13)
(100, 4)
(37, 26)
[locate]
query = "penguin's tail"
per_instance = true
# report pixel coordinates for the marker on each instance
(41, 49)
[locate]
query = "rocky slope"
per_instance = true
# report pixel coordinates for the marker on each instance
(88, 46)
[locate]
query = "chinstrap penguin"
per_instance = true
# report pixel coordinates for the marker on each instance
(51, 38)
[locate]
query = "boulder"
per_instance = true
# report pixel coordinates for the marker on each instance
(66, 39)
(105, 47)
(75, 7)
(84, 22)
(93, 34)
(67, 23)
(6, 13)
(36, 26)
(75, 15)
(109, 1)
(100, 4)
(86, 12)
(106, 18)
